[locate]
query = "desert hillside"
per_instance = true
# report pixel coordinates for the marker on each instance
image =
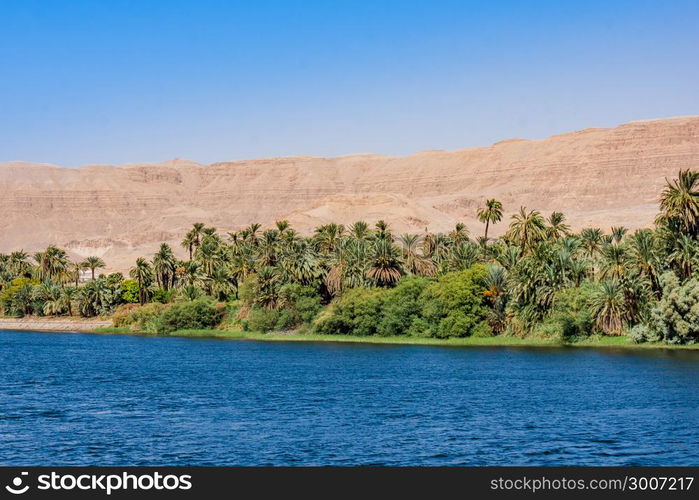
(599, 177)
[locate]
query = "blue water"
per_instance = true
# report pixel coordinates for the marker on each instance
(118, 400)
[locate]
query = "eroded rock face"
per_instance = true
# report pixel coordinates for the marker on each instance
(598, 177)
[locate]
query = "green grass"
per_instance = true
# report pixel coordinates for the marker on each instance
(113, 330)
(594, 341)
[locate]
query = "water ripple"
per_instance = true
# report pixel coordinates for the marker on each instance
(113, 400)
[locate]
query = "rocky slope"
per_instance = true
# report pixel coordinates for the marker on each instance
(598, 177)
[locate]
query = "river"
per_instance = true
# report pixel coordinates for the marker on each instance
(81, 399)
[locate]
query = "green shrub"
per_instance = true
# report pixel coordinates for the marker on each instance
(454, 305)
(288, 319)
(642, 333)
(675, 318)
(194, 315)
(419, 328)
(356, 313)
(143, 319)
(401, 307)
(261, 319)
(123, 315)
(17, 298)
(129, 291)
(451, 306)
(301, 303)
(571, 315)
(163, 296)
(297, 305)
(191, 292)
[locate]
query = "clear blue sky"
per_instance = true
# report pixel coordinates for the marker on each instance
(122, 81)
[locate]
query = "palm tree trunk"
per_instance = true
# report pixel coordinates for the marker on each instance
(487, 223)
(140, 291)
(93, 273)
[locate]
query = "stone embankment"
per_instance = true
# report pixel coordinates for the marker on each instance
(53, 324)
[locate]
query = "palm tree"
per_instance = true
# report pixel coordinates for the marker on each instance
(197, 231)
(557, 227)
(496, 293)
(68, 294)
(189, 241)
(209, 255)
(460, 233)
(491, 213)
(356, 272)
(360, 230)
(527, 228)
(385, 267)
(327, 236)
(301, 264)
(221, 284)
(337, 266)
(460, 257)
(51, 263)
(382, 231)
(508, 256)
(191, 274)
(251, 232)
(437, 248)
(52, 297)
(75, 269)
(242, 260)
(680, 201)
(579, 269)
(618, 233)
(644, 256)
(614, 261)
(282, 225)
(685, 255)
(608, 305)
(18, 265)
(23, 300)
(267, 288)
(192, 292)
(415, 262)
(495, 282)
(591, 239)
(143, 274)
(164, 266)
(95, 298)
(93, 263)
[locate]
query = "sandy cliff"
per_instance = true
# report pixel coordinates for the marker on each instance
(598, 177)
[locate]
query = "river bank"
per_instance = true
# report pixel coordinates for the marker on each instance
(102, 326)
(495, 341)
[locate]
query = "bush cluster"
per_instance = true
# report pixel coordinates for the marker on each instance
(298, 305)
(452, 305)
(190, 315)
(571, 315)
(675, 318)
(163, 319)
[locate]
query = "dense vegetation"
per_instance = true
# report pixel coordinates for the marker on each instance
(540, 278)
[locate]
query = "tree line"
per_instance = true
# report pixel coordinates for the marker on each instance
(539, 278)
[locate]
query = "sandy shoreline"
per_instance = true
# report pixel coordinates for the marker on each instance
(53, 324)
